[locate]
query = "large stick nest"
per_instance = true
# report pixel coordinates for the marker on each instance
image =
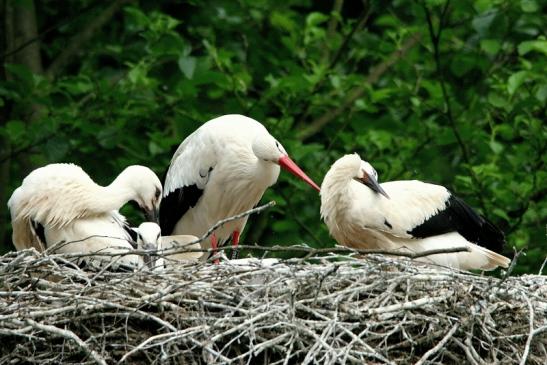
(325, 310)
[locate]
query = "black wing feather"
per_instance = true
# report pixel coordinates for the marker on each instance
(39, 231)
(176, 204)
(460, 217)
(133, 234)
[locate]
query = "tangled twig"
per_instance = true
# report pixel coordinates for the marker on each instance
(327, 309)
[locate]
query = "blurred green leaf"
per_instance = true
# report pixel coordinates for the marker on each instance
(529, 46)
(490, 46)
(57, 148)
(187, 65)
(515, 80)
(15, 129)
(315, 19)
(496, 147)
(529, 6)
(481, 23)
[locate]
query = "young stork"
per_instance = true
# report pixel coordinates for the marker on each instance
(410, 216)
(59, 204)
(220, 170)
(169, 247)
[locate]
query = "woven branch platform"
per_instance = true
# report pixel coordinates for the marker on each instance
(328, 310)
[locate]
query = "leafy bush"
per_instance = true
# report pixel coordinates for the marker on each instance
(449, 92)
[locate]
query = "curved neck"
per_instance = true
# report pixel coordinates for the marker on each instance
(266, 173)
(336, 181)
(113, 196)
(334, 193)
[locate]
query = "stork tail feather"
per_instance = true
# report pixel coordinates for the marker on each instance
(494, 259)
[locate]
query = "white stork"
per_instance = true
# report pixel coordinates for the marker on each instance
(59, 204)
(220, 170)
(410, 216)
(169, 247)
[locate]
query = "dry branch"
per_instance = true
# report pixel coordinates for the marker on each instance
(79, 39)
(355, 93)
(383, 310)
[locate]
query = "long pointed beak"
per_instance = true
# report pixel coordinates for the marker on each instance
(373, 184)
(153, 215)
(286, 163)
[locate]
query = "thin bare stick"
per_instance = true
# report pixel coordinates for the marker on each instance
(234, 218)
(69, 335)
(219, 224)
(354, 94)
(531, 331)
(172, 335)
(346, 250)
(439, 345)
(80, 38)
(330, 309)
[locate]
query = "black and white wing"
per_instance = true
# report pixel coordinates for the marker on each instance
(186, 178)
(420, 210)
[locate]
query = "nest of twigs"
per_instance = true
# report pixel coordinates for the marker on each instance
(324, 310)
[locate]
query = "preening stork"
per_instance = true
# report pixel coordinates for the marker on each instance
(220, 170)
(410, 216)
(170, 248)
(59, 204)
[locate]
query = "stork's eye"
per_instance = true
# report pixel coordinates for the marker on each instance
(157, 194)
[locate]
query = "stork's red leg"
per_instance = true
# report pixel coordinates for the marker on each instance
(235, 242)
(214, 246)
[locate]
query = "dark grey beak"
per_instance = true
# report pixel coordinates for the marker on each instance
(149, 246)
(152, 215)
(373, 184)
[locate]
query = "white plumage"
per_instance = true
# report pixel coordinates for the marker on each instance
(61, 203)
(221, 170)
(410, 216)
(170, 248)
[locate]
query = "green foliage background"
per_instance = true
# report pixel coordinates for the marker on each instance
(452, 92)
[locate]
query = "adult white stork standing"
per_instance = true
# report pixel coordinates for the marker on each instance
(170, 248)
(410, 216)
(220, 170)
(59, 204)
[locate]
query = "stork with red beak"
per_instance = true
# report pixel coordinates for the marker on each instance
(221, 170)
(408, 216)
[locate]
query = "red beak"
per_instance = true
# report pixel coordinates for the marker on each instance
(289, 165)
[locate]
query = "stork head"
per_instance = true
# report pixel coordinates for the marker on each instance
(148, 236)
(146, 189)
(368, 176)
(268, 149)
(361, 171)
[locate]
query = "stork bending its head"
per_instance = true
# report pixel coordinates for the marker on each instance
(409, 216)
(61, 204)
(221, 170)
(141, 185)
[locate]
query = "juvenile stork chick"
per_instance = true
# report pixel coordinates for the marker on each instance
(406, 216)
(169, 248)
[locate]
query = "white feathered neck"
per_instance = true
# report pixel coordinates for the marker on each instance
(57, 194)
(336, 184)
